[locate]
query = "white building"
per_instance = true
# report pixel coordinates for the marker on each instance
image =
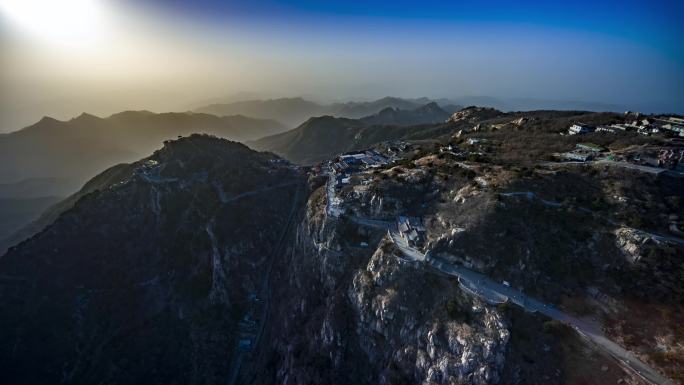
(580, 128)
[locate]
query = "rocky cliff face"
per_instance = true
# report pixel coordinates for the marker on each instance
(474, 114)
(403, 317)
(362, 315)
(152, 279)
(210, 263)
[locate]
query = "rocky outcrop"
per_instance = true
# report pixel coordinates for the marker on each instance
(409, 328)
(364, 316)
(631, 242)
(474, 114)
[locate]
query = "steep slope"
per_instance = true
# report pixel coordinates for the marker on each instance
(79, 148)
(145, 280)
(429, 113)
(354, 315)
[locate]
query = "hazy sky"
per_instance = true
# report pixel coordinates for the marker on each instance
(60, 58)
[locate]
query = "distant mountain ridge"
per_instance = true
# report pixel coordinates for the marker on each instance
(290, 111)
(273, 108)
(55, 158)
(79, 148)
(429, 113)
(322, 137)
(295, 111)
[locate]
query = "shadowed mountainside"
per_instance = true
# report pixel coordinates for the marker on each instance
(204, 263)
(149, 271)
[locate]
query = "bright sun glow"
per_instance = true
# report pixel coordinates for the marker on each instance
(63, 22)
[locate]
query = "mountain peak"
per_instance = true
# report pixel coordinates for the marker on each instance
(428, 113)
(431, 107)
(475, 113)
(129, 113)
(85, 117)
(201, 145)
(387, 110)
(47, 120)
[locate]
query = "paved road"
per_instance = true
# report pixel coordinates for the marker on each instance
(410, 253)
(490, 296)
(632, 166)
(637, 167)
(378, 224)
(494, 292)
(656, 236)
(530, 195)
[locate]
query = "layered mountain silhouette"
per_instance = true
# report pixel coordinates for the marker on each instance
(429, 113)
(360, 109)
(45, 162)
(294, 111)
(291, 111)
(52, 159)
(81, 147)
(323, 137)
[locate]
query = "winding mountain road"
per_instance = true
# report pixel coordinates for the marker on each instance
(494, 292)
(533, 196)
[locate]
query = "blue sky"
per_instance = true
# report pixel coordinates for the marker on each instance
(171, 54)
(653, 22)
(619, 51)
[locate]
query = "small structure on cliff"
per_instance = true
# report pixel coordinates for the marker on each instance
(411, 229)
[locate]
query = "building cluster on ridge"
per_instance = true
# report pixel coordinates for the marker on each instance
(664, 159)
(646, 126)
